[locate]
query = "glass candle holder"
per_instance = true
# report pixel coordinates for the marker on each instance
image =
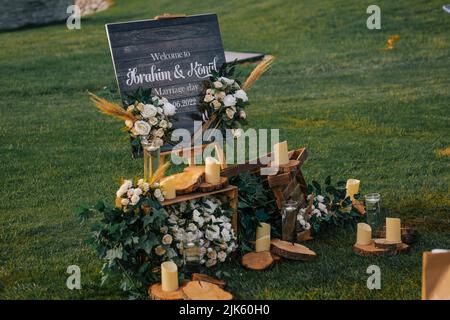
(191, 255)
(373, 211)
(289, 220)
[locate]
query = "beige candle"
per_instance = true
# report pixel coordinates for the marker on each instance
(280, 152)
(169, 276)
(212, 170)
(168, 186)
(262, 242)
(352, 188)
(364, 234)
(393, 231)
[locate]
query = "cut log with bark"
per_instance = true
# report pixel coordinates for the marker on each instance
(384, 244)
(209, 187)
(409, 235)
(202, 290)
(292, 251)
(375, 250)
(206, 278)
(257, 260)
(189, 180)
(155, 292)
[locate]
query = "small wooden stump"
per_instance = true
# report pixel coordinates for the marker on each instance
(155, 292)
(206, 278)
(209, 187)
(409, 235)
(384, 244)
(293, 251)
(258, 260)
(202, 290)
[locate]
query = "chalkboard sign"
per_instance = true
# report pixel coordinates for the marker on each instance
(174, 57)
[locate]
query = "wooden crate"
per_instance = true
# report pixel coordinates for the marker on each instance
(227, 194)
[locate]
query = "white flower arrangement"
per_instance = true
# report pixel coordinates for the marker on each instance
(152, 124)
(208, 223)
(129, 193)
(224, 101)
(318, 209)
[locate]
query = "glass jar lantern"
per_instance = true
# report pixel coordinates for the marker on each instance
(289, 220)
(373, 211)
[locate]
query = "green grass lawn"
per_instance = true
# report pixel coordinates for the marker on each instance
(375, 115)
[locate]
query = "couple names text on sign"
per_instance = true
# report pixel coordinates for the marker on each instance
(174, 57)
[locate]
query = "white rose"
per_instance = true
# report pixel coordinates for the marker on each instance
(212, 254)
(169, 109)
(157, 193)
(163, 124)
(138, 191)
(316, 211)
(230, 113)
(216, 104)
(222, 256)
(149, 111)
(209, 91)
(308, 226)
(125, 202)
(130, 193)
(167, 239)
(322, 207)
(227, 81)
(240, 94)
(122, 190)
(192, 227)
(242, 114)
(218, 84)
(208, 98)
(320, 198)
(141, 128)
(164, 229)
(210, 263)
(129, 124)
(153, 121)
(145, 186)
(220, 95)
(159, 133)
(134, 199)
(159, 142)
(229, 100)
(160, 110)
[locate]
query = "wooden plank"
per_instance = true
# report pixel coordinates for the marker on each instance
(196, 195)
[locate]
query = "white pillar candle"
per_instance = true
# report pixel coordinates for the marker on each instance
(212, 170)
(393, 230)
(262, 242)
(352, 188)
(364, 234)
(169, 276)
(169, 187)
(280, 152)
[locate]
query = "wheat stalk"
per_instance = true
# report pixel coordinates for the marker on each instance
(259, 70)
(159, 173)
(111, 109)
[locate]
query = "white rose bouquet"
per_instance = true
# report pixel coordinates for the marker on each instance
(208, 222)
(131, 193)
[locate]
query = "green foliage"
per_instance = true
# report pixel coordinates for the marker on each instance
(255, 205)
(125, 242)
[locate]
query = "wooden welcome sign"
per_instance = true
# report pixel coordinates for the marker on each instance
(174, 57)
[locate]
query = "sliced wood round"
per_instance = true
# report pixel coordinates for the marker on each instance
(409, 235)
(201, 290)
(373, 250)
(304, 236)
(257, 260)
(384, 244)
(206, 278)
(293, 251)
(209, 187)
(155, 292)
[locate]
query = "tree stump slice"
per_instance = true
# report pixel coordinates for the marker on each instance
(292, 251)
(258, 260)
(384, 244)
(189, 180)
(373, 250)
(304, 236)
(209, 187)
(202, 290)
(409, 235)
(155, 292)
(206, 278)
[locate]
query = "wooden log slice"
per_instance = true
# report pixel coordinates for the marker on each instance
(384, 244)
(257, 260)
(368, 250)
(206, 278)
(155, 292)
(409, 235)
(293, 251)
(202, 290)
(304, 236)
(209, 187)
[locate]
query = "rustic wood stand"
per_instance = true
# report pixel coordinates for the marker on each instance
(379, 247)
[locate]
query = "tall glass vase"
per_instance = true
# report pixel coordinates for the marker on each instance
(151, 163)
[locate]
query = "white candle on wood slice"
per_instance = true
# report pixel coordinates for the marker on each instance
(262, 242)
(364, 234)
(169, 276)
(212, 170)
(280, 152)
(352, 188)
(393, 230)
(169, 187)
